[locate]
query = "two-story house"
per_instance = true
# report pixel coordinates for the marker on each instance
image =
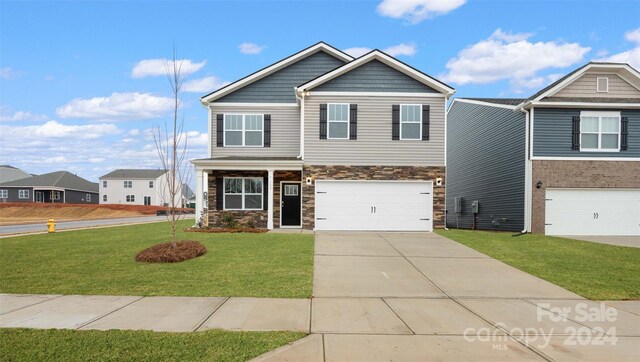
(565, 161)
(323, 141)
(136, 187)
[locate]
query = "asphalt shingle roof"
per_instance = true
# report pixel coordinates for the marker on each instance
(505, 101)
(62, 179)
(134, 174)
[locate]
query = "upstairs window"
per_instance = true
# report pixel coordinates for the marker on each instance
(243, 130)
(602, 85)
(104, 184)
(338, 121)
(600, 131)
(243, 193)
(128, 184)
(410, 121)
(150, 184)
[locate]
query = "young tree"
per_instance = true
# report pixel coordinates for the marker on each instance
(171, 145)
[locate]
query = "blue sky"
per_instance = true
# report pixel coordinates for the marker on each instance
(81, 88)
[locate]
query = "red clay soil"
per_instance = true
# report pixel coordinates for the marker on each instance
(141, 209)
(164, 253)
(224, 230)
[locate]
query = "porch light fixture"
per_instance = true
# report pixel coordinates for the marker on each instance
(309, 180)
(539, 184)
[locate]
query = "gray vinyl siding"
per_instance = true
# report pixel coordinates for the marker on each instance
(374, 76)
(552, 131)
(585, 87)
(374, 145)
(79, 197)
(13, 194)
(285, 132)
(486, 162)
(278, 87)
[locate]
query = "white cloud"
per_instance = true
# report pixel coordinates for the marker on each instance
(416, 11)
(205, 84)
(53, 129)
(512, 57)
(117, 106)
(9, 73)
(632, 56)
(157, 67)
(24, 116)
(394, 50)
(251, 48)
(133, 132)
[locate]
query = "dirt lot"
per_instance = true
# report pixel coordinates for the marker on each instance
(16, 213)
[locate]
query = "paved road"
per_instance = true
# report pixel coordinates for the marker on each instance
(65, 225)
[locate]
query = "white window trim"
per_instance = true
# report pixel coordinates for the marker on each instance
(104, 198)
(243, 130)
(56, 195)
(130, 198)
(420, 123)
(88, 197)
(348, 121)
(598, 82)
(125, 184)
(151, 183)
(242, 194)
(104, 184)
(4, 194)
(21, 194)
(297, 188)
(600, 133)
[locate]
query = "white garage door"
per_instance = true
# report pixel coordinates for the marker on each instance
(374, 205)
(592, 212)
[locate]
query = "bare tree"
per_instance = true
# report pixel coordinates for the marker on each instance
(171, 145)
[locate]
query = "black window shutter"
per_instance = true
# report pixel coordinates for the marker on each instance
(395, 122)
(624, 133)
(575, 139)
(267, 130)
(323, 121)
(220, 130)
(353, 122)
(425, 122)
(219, 193)
(265, 193)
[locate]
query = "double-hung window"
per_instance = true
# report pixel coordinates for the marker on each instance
(600, 131)
(410, 121)
(104, 198)
(150, 184)
(338, 121)
(243, 130)
(128, 184)
(243, 193)
(131, 198)
(4, 194)
(23, 194)
(104, 184)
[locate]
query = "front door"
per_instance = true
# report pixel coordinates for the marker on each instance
(39, 196)
(147, 200)
(290, 204)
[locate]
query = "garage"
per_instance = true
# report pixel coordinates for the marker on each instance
(374, 205)
(592, 212)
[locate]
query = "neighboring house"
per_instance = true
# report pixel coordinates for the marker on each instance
(56, 187)
(10, 173)
(565, 161)
(324, 141)
(136, 187)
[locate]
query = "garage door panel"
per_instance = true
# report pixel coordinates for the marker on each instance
(374, 205)
(592, 212)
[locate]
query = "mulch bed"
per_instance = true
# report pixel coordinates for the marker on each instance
(164, 253)
(225, 230)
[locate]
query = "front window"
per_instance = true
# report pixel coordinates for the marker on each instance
(410, 121)
(338, 121)
(128, 184)
(600, 131)
(88, 197)
(23, 194)
(131, 198)
(55, 195)
(243, 193)
(4, 194)
(150, 184)
(243, 130)
(104, 184)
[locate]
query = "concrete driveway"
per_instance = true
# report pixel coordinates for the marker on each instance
(421, 296)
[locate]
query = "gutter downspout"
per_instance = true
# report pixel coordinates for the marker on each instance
(301, 99)
(527, 176)
(446, 172)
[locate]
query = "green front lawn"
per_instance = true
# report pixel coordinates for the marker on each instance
(594, 271)
(114, 345)
(101, 261)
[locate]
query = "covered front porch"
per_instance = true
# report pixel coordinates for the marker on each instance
(254, 192)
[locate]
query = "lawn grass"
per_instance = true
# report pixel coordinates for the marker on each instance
(101, 261)
(115, 345)
(594, 271)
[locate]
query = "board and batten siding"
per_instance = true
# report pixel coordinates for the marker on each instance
(374, 145)
(585, 87)
(486, 162)
(285, 132)
(278, 87)
(552, 130)
(374, 76)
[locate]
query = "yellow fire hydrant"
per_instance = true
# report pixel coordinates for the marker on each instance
(51, 226)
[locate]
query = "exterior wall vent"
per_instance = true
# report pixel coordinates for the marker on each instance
(602, 84)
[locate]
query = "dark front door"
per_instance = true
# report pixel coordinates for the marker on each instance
(290, 204)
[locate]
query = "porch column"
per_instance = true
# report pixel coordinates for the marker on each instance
(199, 193)
(270, 202)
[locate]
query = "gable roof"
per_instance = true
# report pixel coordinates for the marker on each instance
(61, 179)
(386, 59)
(502, 101)
(10, 173)
(320, 46)
(123, 173)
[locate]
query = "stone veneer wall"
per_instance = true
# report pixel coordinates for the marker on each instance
(372, 173)
(257, 217)
(578, 174)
